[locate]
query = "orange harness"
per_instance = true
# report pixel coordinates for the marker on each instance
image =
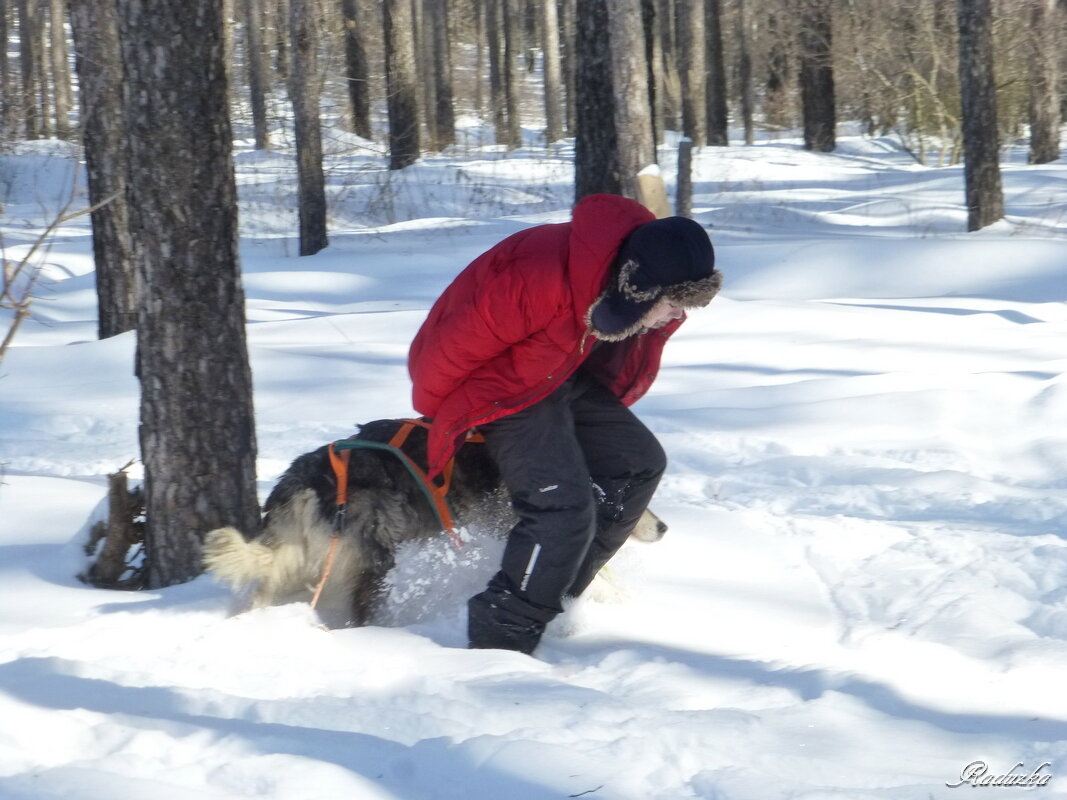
(341, 451)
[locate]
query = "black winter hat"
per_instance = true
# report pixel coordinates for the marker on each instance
(670, 257)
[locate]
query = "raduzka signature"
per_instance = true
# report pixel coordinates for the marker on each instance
(977, 774)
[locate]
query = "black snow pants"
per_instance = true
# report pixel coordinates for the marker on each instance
(580, 469)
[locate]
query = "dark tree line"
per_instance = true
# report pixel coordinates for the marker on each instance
(162, 82)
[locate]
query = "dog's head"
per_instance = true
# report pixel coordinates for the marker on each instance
(650, 528)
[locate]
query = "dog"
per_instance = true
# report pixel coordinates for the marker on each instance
(385, 507)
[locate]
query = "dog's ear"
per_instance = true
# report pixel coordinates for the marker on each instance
(649, 528)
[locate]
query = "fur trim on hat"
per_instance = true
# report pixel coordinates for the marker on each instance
(629, 290)
(695, 294)
(626, 333)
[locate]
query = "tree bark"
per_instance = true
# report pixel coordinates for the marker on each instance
(669, 90)
(776, 107)
(357, 70)
(304, 89)
(596, 166)
(569, 59)
(444, 111)
(744, 74)
(981, 166)
(258, 72)
(100, 79)
(633, 115)
(553, 73)
(424, 77)
(198, 440)
(716, 75)
(400, 78)
(1045, 29)
(29, 44)
(691, 46)
(58, 53)
(512, 49)
(683, 197)
(817, 76)
(9, 117)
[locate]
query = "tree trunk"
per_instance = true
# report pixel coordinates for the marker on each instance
(691, 47)
(1045, 25)
(58, 52)
(716, 72)
(633, 114)
(198, 441)
(400, 78)
(29, 44)
(683, 197)
(305, 84)
(569, 59)
(669, 93)
(744, 74)
(9, 116)
(494, 37)
(444, 112)
(512, 49)
(424, 77)
(553, 74)
(978, 96)
(817, 76)
(258, 72)
(279, 25)
(100, 80)
(596, 166)
(357, 70)
(776, 106)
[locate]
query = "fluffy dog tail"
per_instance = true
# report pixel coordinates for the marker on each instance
(235, 561)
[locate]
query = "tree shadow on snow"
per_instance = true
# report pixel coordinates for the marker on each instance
(436, 767)
(812, 683)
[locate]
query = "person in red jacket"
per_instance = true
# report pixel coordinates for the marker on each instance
(543, 342)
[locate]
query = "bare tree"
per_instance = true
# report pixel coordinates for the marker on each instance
(258, 72)
(1045, 31)
(744, 73)
(305, 84)
(817, 75)
(60, 68)
(198, 441)
(633, 112)
(569, 61)
(715, 61)
(553, 85)
(776, 85)
(668, 82)
(444, 117)
(596, 166)
(978, 93)
(9, 116)
(30, 64)
(512, 32)
(100, 79)
(401, 76)
(357, 70)
(691, 37)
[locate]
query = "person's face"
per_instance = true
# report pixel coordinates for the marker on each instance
(662, 312)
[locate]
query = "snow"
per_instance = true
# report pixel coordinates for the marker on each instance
(864, 585)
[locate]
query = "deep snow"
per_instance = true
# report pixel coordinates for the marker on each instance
(863, 591)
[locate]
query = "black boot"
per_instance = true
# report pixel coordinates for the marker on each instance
(499, 620)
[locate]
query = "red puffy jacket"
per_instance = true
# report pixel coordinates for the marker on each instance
(512, 326)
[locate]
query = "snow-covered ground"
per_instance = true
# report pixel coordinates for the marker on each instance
(863, 591)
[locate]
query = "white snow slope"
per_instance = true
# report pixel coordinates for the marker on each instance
(862, 593)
